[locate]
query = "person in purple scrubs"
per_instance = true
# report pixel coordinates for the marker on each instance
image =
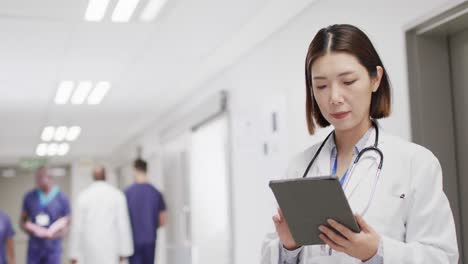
(147, 213)
(45, 217)
(7, 251)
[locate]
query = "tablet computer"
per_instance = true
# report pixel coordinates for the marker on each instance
(308, 203)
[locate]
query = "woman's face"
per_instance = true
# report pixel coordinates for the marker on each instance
(343, 88)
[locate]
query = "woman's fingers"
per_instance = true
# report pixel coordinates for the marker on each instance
(344, 231)
(280, 213)
(363, 224)
(276, 219)
(330, 243)
(336, 238)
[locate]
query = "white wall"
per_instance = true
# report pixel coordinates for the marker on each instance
(274, 72)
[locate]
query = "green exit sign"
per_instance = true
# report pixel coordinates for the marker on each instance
(32, 163)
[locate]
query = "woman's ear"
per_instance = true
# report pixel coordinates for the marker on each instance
(376, 80)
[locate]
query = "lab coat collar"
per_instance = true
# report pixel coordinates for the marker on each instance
(323, 165)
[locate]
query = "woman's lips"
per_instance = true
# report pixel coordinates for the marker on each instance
(340, 115)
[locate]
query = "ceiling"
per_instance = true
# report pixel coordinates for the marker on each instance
(151, 66)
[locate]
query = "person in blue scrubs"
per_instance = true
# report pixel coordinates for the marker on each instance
(7, 252)
(147, 213)
(45, 217)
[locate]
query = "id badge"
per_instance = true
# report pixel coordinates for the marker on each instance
(42, 219)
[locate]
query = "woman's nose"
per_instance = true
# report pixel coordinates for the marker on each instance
(336, 96)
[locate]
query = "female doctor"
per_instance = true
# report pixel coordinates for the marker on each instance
(401, 209)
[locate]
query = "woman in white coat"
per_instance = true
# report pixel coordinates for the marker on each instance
(403, 213)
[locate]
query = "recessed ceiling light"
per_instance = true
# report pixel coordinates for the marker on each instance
(52, 149)
(64, 92)
(152, 9)
(60, 133)
(123, 10)
(41, 149)
(63, 149)
(98, 93)
(96, 10)
(81, 92)
(48, 133)
(73, 133)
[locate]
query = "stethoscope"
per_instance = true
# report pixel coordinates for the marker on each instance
(356, 160)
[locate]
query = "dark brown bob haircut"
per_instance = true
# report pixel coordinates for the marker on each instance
(349, 39)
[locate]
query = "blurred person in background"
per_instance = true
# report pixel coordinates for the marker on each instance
(45, 217)
(7, 244)
(101, 232)
(147, 213)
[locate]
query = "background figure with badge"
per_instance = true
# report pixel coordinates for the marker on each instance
(45, 217)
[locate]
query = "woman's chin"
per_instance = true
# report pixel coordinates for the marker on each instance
(343, 125)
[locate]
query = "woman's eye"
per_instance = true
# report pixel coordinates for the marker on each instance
(350, 82)
(321, 86)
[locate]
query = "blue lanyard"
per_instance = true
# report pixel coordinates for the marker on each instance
(335, 165)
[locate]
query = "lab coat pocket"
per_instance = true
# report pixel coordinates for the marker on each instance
(389, 213)
(399, 200)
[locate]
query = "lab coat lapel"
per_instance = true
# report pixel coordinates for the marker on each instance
(323, 165)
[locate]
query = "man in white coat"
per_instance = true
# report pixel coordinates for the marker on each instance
(101, 232)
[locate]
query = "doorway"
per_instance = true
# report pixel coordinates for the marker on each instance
(197, 189)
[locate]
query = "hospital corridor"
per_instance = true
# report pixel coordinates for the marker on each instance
(198, 132)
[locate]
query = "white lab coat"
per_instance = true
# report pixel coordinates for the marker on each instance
(101, 230)
(416, 229)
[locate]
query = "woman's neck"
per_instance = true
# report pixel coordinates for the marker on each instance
(345, 140)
